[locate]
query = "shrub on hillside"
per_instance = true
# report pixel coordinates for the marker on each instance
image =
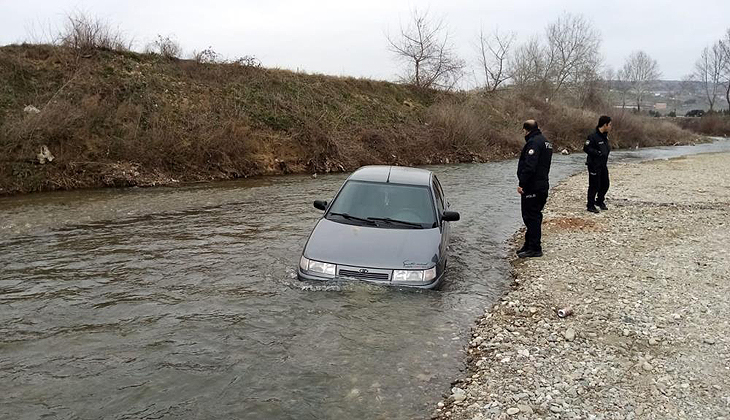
(631, 130)
(84, 33)
(206, 56)
(165, 46)
(714, 124)
(491, 125)
(247, 61)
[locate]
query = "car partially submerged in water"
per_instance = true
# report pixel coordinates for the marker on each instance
(387, 225)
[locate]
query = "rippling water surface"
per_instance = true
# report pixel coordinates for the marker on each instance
(183, 302)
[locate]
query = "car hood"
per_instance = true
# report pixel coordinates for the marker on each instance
(371, 247)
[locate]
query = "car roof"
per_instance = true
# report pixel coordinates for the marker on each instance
(392, 174)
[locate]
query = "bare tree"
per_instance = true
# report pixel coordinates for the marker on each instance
(725, 45)
(640, 70)
(678, 90)
(622, 86)
(570, 59)
(609, 77)
(528, 65)
(572, 52)
(708, 70)
(426, 49)
(589, 89)
(493, 58)
(42, 33)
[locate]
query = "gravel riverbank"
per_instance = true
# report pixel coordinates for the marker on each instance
(649, 285)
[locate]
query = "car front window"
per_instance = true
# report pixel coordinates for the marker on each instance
(384, 204)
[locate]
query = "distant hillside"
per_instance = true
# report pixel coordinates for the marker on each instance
(122, 118)
(670, 95)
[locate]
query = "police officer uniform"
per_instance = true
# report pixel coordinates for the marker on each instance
(597, 149)
(532, 170)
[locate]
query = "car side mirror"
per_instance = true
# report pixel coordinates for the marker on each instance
(451, 216)
(320, 204)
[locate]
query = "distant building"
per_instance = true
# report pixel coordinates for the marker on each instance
(660, 105)
(627, 106)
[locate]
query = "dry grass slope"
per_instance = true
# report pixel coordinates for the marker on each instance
(119, 118)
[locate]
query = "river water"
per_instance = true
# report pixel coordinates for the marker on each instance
(182, 302)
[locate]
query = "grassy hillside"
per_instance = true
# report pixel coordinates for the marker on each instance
(123, 118)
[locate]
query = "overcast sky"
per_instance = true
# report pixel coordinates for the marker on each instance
(344, 37)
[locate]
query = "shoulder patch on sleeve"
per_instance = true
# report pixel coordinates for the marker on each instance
(531, 152)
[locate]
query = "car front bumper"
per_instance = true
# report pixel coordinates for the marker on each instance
(313, 277)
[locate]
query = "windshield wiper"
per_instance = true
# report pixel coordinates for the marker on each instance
(401, 222)
(351, 217)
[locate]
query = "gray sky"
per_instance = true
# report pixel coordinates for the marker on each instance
(343, 37)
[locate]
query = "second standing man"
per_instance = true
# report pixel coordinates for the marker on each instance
(598, 149)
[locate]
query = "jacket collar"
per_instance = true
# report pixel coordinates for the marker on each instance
(532, 134)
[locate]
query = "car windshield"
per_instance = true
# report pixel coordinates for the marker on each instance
(384, 205)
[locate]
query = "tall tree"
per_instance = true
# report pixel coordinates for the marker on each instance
(528, 65)
(425, 47)
(709, 69)
(572, 51)
(640, 70)
(684, 87)
(623, 86)
(725, 45)
(568, 59)
(493, 58)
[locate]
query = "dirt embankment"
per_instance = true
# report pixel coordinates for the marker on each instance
(111, 118)
(648, 282)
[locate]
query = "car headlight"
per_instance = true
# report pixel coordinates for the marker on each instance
(414, 276)
(304, 263)
(317, 267)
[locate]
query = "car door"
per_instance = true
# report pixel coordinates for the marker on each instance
(441, 207)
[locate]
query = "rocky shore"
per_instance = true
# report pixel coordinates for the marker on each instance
(648, 282)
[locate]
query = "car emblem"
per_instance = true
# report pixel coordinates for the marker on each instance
(363, 270)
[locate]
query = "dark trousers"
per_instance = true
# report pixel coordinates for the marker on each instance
(532, 204)
(598, 184)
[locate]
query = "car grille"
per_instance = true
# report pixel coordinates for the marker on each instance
(364, 274)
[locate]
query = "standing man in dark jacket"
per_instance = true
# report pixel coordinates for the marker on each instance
(532, 172)
(598, 149)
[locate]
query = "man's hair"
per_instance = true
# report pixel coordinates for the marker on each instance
(605, 119)
(530, 125)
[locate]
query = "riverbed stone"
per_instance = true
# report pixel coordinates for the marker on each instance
(569, 334)
(660, 244)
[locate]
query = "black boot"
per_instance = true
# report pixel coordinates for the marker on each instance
(530, 253)
(592, 209)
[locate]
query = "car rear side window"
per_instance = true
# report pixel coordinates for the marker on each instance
(438, 192)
